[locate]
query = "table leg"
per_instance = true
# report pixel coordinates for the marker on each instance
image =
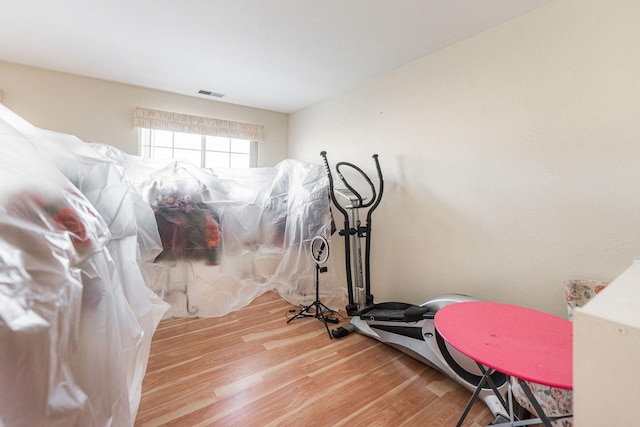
(492, 384)
(508, 406)
(546, 419)
(542, 417)
(474, 396)
(486, 378)
(510, 397)
(534, 402)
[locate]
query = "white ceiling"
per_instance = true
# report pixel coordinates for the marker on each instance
(280, 55)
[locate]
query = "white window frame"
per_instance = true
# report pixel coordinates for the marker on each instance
(146, 138)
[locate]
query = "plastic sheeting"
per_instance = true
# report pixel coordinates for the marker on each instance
(92, 240)
(76, 317)
(232, 235)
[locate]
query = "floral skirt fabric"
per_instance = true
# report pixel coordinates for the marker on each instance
(555, 401)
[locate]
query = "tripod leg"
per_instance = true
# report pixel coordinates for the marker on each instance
(304, 312)
(327, 328)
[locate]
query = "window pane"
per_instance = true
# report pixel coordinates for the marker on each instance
(188, 140)
(219, 152)
(192, 156)
(241, 146)
(161, 153)
(217, 143)
(239, 160)
(216, 160)
(162, 138)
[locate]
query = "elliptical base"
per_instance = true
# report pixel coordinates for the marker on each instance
(420, 340)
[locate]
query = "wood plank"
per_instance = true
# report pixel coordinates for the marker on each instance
(253, 368)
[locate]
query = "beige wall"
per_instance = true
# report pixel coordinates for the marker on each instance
(510, 159)
(101, 111)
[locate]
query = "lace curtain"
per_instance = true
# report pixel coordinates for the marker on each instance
(176, 122)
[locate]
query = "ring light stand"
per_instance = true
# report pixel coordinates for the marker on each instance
(319, 249)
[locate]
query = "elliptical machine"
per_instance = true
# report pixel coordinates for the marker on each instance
(407, 327)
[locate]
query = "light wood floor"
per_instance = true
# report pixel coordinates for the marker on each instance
(251, 368)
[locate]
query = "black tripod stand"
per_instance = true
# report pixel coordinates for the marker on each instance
(320, 253)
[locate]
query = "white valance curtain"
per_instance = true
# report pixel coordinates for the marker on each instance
(176, 122)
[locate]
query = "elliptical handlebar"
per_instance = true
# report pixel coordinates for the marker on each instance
(375, 203)
(345, 214)
(361, 203)
(367, 247)
(332, 194)
(376, 197)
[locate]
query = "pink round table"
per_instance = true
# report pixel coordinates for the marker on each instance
(527, 344)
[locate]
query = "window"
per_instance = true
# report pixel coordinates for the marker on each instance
(205, 151)
(204, 141)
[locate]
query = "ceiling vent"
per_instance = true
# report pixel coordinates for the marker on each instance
(209, 93)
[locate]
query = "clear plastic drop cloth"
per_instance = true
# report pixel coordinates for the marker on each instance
(96, 246)
(134, 240)
(228, 236)
(76, 317)
(297, 210)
